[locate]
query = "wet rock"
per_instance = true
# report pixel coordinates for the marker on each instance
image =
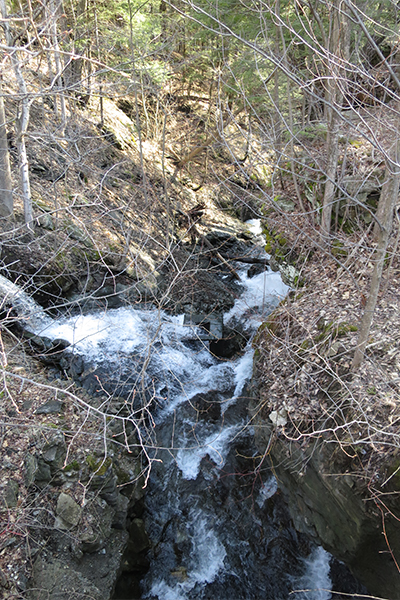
(138, 536)
(255, 270)
(207, 405)
(74, 364)
(233, 341)
(50, 352)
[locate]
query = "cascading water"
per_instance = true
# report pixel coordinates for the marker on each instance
(218, 526)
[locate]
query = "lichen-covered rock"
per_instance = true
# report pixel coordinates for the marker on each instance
(68, 512)
(56, 580)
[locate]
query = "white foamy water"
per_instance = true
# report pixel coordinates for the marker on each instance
(118, 331)
(262, 293)
(315, 583)
(255, 226)
(206, 559)
(267, 490)
(215, 445)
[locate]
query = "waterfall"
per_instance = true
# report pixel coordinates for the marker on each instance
(219, 529)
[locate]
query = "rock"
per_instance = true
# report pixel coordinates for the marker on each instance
(46, 221)
(290, 275)
(43, 473)
(45, 466)
(121, 510)
(71, 566)
(78, 234)
(255, 270)
(31, 468)
(278, 417)
(97, 521)
(233, 341)
(273, 263)
(55, 580)
(285, 204)
(139, 536)
(332, 512)
(4, 580)
(10, 498)
(336, 348)
(26, 309)
(68, 512)
(206, 405)
(51, 407)
(208, 327)
(49, 351)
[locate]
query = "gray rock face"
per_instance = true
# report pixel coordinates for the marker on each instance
(51, 407)
(55, 580)
(86, 544)
(332, 510)
(46, 465)
(11, 494)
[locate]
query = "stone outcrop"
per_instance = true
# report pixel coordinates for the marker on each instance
(335, 509)
(83, 544)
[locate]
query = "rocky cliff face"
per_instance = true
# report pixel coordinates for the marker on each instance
(83, 540)
(335, 508)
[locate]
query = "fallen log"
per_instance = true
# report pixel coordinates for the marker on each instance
(29, 314)
(247, 259)
(220, 257)
(26, 317)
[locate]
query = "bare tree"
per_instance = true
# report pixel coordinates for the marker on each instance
(388, 199)
(334, 98)
(6, 192)
(22, 120)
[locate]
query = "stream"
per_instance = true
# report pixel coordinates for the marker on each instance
(217, 522)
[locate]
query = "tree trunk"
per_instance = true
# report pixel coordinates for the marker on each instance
(51, 11)
(388, 199)
(22, 120)
(338, 52)
(332, 151)
(6, 194)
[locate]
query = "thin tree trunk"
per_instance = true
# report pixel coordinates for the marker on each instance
(6, 194)
(332, 149)
(334, 99)
(290, 113)
(389, 195)
(22, 120)
(57, 60)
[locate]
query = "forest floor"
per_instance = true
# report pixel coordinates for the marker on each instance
(307, 346)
